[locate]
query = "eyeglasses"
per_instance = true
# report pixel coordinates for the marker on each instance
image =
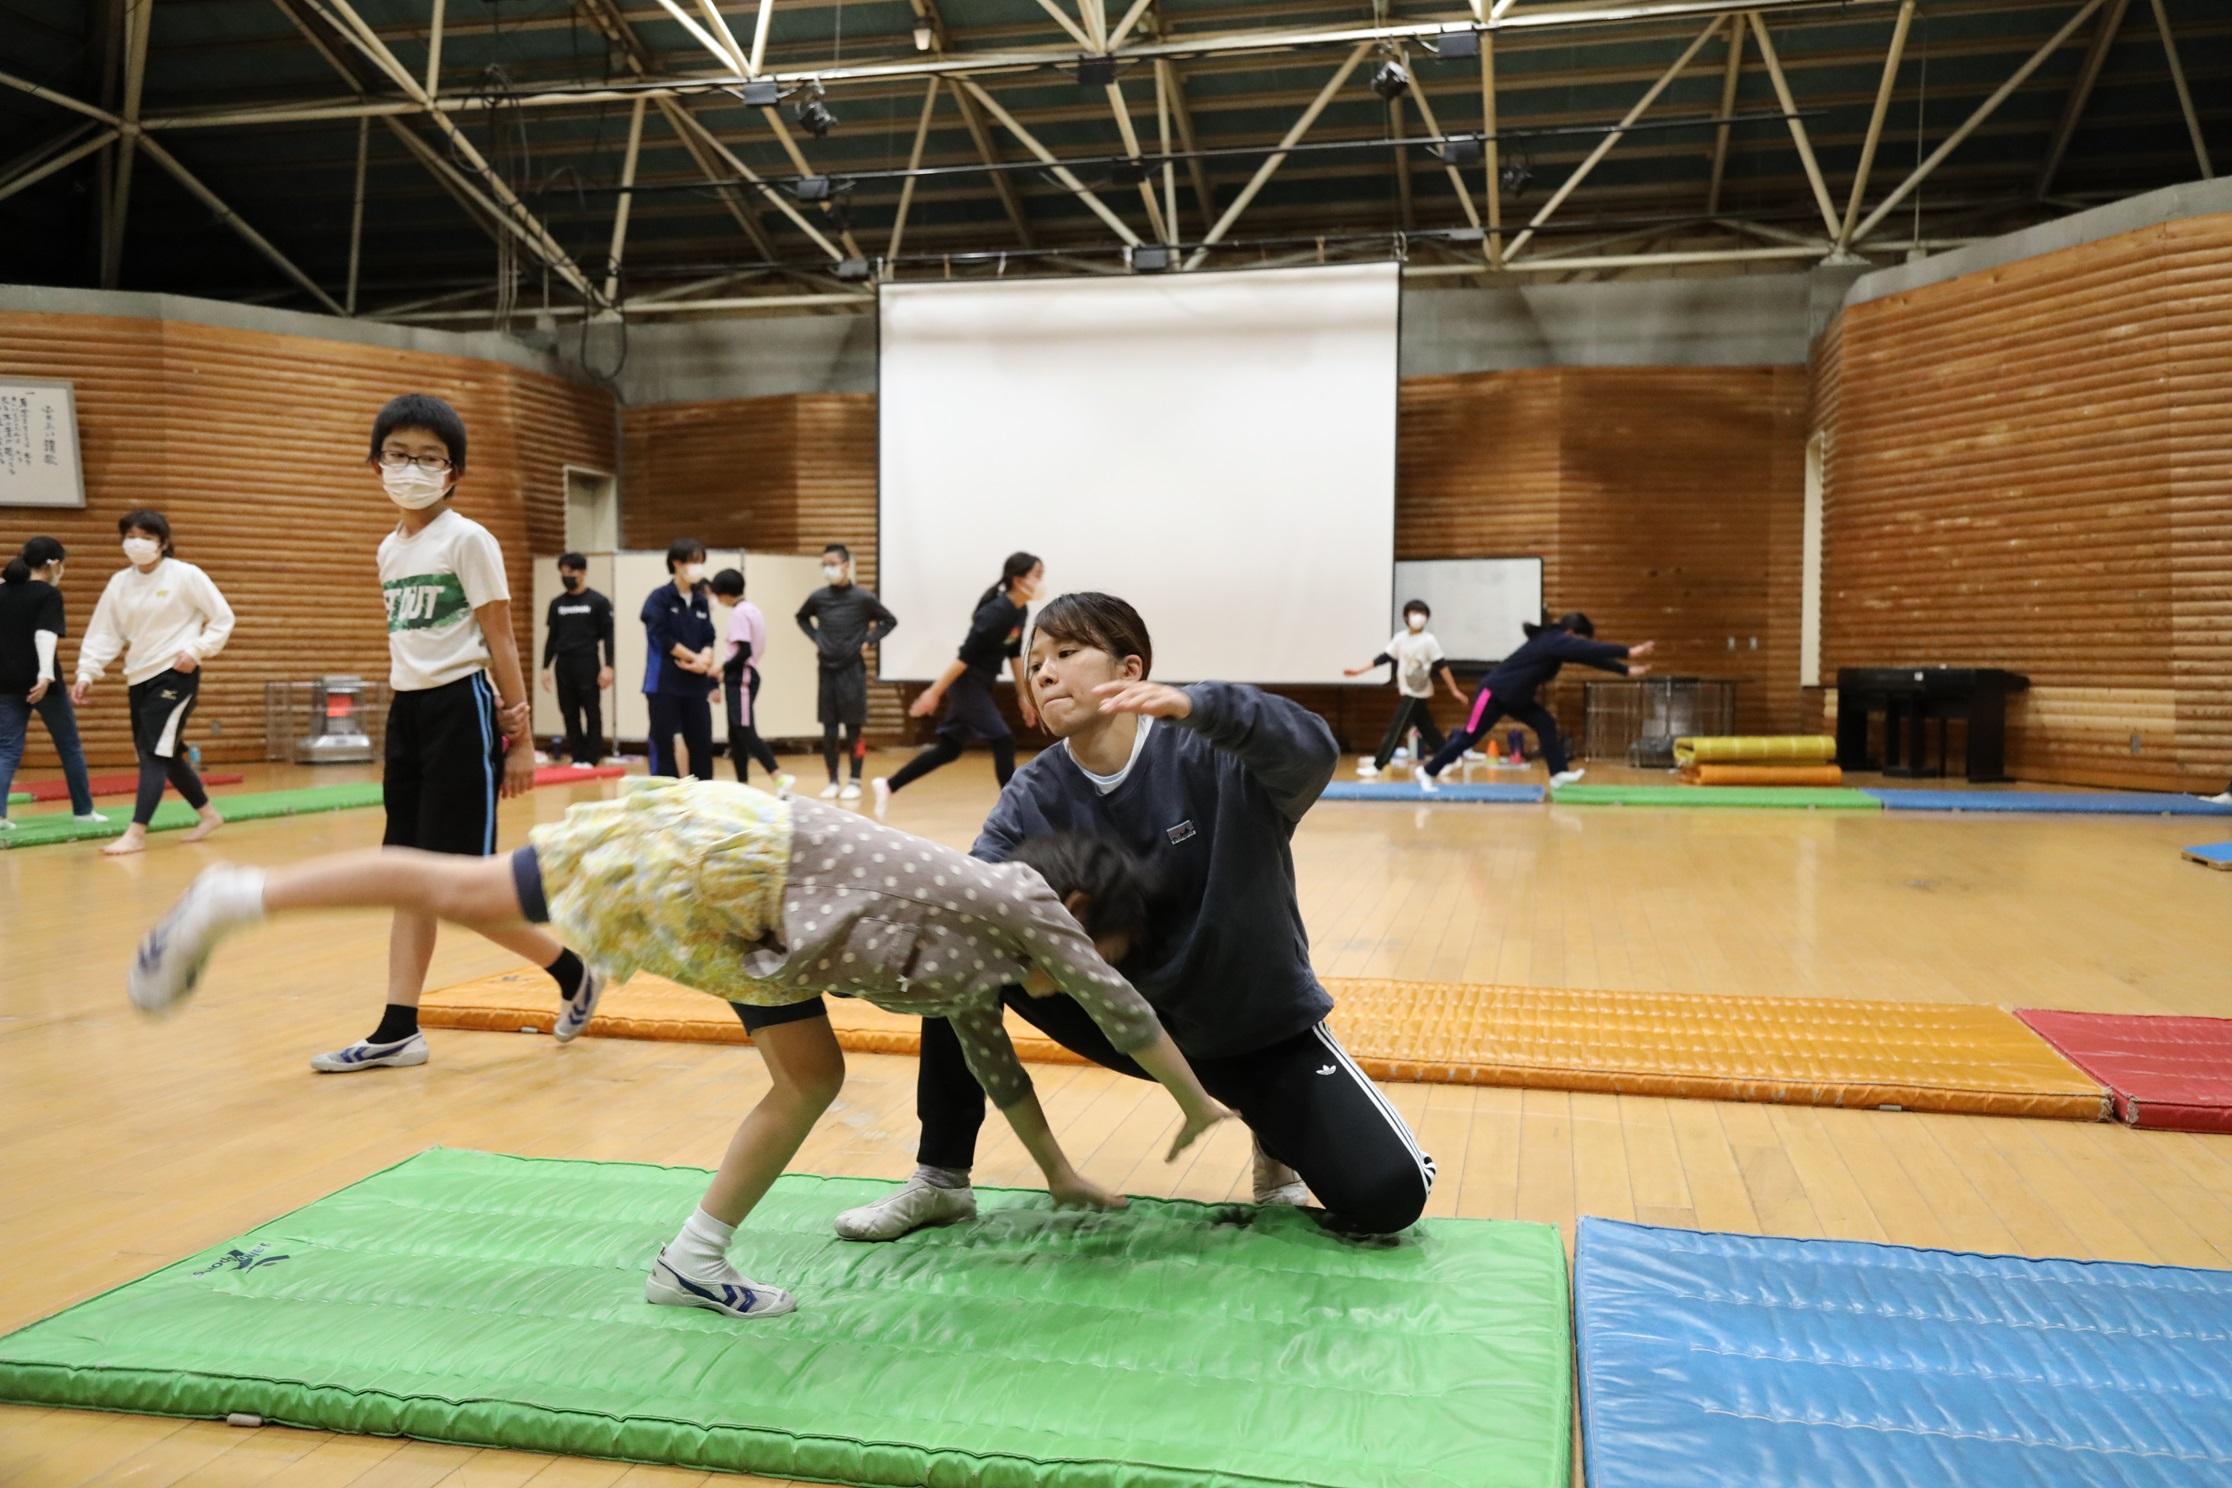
(397, 459)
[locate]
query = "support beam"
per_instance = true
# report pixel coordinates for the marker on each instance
(538, 236)
(613, 257)
(1270, 166)
(1814, 178)
(45, 149)
(2185, 94)
(1891, 60)
(59, 100)
(1131, 148)
(1491, 161)
(760, 23)
(1984, 111)
(781, 199)
(1406, 214)
(1456, 177)
(434, 52)
(2080, 94)
(1061, 18)
(1731, 80)
(1169, 167)
(1011, 200)
(478, 209)
(231, 219)
(1604, 146)
(691, 133)
(137, 19)
(1117, 37)
(356, 215)
(34, 174)
(1059, 171)
(1197, 172)
(914, 163)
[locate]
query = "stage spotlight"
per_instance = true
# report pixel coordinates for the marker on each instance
(1391, 81)
(814, 116)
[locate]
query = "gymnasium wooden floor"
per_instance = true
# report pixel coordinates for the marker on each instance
(133, 1144)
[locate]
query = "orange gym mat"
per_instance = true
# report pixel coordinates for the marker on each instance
(1762, 775)
(1787, 1050)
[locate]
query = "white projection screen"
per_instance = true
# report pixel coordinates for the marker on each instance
(1217, 448)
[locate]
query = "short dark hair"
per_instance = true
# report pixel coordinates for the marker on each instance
(421, 411)
(147, 520)
(729, 583)
(1101, 621)
(572, 560)
(839, 549)
(1419, 606)
(1119, 889)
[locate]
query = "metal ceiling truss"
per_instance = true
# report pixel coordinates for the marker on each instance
(1139, 39)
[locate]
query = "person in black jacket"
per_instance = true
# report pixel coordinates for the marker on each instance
(579, 627)
(31, 631)
(1511, 686)
(1206, 785)
(965, 687)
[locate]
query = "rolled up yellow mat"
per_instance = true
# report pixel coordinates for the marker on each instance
(1777, 749)
(1764, 775)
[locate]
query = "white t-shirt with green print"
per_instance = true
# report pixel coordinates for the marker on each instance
(434, 579)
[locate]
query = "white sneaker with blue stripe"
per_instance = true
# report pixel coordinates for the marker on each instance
(364, 1055)
(730, 1294)
(575, 1012)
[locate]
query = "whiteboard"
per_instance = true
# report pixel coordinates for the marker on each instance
(1191, 442)
(39, 444)
(1479, 603)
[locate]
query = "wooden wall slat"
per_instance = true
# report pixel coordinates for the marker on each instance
(253, 444)
(2031, 467)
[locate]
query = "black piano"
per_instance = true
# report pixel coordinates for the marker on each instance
(1910, 698)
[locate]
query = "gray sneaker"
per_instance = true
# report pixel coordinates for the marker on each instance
(363, 1055)
(908, 1209)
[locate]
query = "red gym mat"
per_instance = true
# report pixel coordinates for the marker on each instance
(105, 785)
(568, 775)
(2171, 1073)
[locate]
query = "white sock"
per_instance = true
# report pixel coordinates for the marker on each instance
(701, 1249)
(942, 1177)
(238, 896)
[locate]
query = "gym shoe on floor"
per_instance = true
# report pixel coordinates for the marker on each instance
(1365, 769)
(91, 816)
(910, 1209)
(362, 1056)
(882, 788)
(1567, 777)
(829, 791)
(1427, 785)
(2221, 798)
(851, 792)
(8, 826)
(784, 785)
(1276, 1183)
(172, 955)
(575, 1012)
(731, 1294)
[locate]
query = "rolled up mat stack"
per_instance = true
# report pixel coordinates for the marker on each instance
(1762, 775)
(1766, 749)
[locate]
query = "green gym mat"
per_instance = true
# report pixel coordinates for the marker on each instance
(1820, 798)
(497, 1301)
(38, 831)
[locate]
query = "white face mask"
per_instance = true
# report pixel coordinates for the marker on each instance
(413, 487)
(690, 574)
(142, 550)
(1415, 622)
(832, 572)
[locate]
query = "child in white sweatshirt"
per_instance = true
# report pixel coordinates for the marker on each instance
(170, 619)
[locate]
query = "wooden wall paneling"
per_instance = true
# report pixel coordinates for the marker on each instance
(2028, 469)
(253, 444)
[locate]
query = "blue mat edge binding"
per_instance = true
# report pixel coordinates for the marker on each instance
(2074, 803)
(1474, 794)
(974, 1467)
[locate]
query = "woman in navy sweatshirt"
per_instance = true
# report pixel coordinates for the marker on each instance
(1204, 784)
(1510, 689)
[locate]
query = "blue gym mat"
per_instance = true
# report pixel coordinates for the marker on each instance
(1712, 1359)
(1408, 791)
(2071, 803)
(2215, 854)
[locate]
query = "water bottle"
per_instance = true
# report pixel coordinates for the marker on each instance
(193, 756)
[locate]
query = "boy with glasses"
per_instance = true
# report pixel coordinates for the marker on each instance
(456, 741)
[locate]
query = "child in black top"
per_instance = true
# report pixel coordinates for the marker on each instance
(1510, 689)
